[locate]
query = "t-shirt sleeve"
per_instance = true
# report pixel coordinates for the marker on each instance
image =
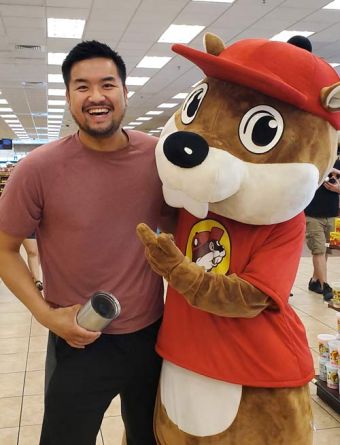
(21, 202)
(274, 265)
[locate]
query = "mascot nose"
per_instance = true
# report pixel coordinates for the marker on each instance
(185, 149)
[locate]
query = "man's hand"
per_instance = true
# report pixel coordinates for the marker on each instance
(333, 186)
(62, 321)
(160, 251)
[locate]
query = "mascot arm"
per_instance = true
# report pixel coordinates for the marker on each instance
(222, 295)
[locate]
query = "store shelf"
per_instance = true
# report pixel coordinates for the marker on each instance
(328, 395)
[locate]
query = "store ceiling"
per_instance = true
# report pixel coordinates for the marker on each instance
(133, 28)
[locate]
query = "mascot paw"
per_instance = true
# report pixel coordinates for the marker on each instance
(160, 250)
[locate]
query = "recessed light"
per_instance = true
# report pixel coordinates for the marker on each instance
(56, 92)
(180, 33)
(215, 1)
(56, 58)
(136, 80)
(154, 113)
(180, 96)
(143, 118)
(285, 35)
(65, 28)
(332, 5)
(56, 102)
(166, 105)
(153, 62)
(55, 78)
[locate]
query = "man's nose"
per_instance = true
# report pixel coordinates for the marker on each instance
(185, 149)
(96, 95)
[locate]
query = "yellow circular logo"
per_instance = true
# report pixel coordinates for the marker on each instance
(208, 245)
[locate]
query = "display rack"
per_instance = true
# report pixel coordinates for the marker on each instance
(328, 395)
(3, 179)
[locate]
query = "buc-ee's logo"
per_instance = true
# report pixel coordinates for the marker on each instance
(209, 246)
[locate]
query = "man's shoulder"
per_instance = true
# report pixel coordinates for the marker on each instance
(138, 138)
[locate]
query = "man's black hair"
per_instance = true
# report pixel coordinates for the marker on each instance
(90, 49)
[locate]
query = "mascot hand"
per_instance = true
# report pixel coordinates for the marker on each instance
(160, 250)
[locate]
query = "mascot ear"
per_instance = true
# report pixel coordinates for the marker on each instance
(213, 44)
(330, 97)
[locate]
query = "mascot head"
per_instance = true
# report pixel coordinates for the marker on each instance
(256, 137)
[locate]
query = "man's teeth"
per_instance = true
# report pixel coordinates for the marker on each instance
(99, 111)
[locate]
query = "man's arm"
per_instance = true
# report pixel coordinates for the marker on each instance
(18, 279)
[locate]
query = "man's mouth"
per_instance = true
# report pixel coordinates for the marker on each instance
(98, 111)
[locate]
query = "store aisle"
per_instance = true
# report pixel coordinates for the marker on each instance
(22, 353)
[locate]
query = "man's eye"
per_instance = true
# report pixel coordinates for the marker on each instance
(82, 88)
(108, 85)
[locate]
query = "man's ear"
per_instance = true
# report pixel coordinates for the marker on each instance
(67, 95)
(125, 94)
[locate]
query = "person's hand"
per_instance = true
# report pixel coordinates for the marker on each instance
(62, 321)
(333, 186)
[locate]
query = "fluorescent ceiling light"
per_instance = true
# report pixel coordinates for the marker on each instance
(56, 58)
(65, 28)
(54, 121)
(180, 33)
(180, 96)
(215, 1)
(143, 118)
(160, 128)
(128, 127)
(136, 80)
(130, 94)
(55, 110)
(12, 121)
(285, 35)
(332, 5)
(56, 102)
(3, 101)
(166, 105)
(155, 131)
(8, 115)
(154, 113)
(55, 116)
(56, 92)
(2, 110)
(334, 65)
(153, 62)
(53, 126)
(135, 123)
(15, 125)
(55, 78)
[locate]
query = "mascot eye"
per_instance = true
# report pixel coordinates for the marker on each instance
(193, 102)
(261, 129)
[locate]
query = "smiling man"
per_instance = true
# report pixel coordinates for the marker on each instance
(84, 195)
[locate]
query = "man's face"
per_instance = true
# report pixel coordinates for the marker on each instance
(96, 96)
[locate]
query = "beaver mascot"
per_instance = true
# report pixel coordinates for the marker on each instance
(242, 158)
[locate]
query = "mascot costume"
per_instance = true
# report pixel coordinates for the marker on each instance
(242, 158)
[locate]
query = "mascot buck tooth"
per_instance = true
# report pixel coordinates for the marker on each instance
(242, 157)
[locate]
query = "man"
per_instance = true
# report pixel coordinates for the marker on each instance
(320, 214)
(84, 196)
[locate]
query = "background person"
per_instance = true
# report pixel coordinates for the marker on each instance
(320, 214)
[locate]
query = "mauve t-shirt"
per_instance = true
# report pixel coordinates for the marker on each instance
(85, 206)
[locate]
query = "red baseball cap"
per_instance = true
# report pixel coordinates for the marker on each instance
(277, 69)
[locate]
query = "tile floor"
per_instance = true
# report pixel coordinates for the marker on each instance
(22, 353)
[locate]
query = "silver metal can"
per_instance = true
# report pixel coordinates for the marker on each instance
(99, 311)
